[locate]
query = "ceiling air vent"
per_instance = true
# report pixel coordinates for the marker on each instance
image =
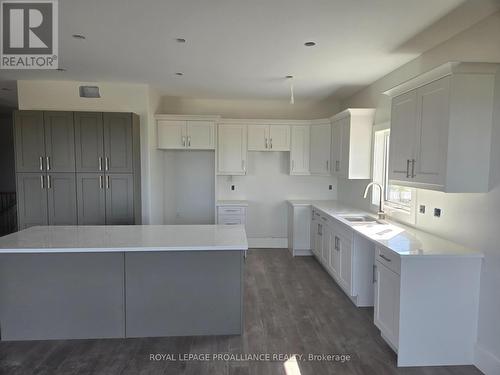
(89, 92)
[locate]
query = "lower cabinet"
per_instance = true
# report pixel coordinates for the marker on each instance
(348, 258)
(46, 199)
(105, 199)
(386, 307)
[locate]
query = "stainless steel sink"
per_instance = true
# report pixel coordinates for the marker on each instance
(360, 219)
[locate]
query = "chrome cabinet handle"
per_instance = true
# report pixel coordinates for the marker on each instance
(243, 165)
(49, 182)
(41, 182)
(413, 168)
(100, 182)
(323, 218)
(107, 182)
(100, 163)
(374, 277)
(47, 161)
(106, 163)
(408, 168)
(385, 258)
(183, 140)
(270, 143)
(266, 143)
(327, 165)
(41, 163)
(189, 141)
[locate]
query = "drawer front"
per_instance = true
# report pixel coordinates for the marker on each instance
(231, 220)
(388, 258)
(231, 210)
(343, 230)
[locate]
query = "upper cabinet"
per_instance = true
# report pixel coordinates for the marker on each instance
(232, 149)
(268, 137)
(178, 133)
(441, 126)
(300, 150)
(320, 148)
(351, 143)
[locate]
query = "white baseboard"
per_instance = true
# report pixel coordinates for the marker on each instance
(302, 252)
(486, 361)
(268, 243)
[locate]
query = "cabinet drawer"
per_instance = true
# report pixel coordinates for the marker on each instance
(230, 210)
(343, 230)
(388, 258)
(231, 220)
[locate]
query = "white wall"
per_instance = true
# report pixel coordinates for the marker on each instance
(254, 109)
(120, 97)
(266, 186)
(189, 184)
(470, 219)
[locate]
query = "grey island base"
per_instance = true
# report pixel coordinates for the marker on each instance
(121, 281)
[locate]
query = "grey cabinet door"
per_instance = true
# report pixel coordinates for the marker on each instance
(61, 198)
(29, 140)
(31, 199)
(119, 199)
(91, 198)
(59, 141)
(89, 142)
(118, 142)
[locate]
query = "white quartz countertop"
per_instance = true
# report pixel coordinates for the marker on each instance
(232, 203)
(404, 240)
(125, 238)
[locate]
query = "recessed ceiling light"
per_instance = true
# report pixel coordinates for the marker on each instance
(179, 74)
(180, 40)
(288, 77)
(79, 36)
(310, 44)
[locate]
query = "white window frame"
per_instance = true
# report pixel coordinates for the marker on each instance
(405, 214)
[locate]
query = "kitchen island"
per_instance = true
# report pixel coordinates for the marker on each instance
(77, 282)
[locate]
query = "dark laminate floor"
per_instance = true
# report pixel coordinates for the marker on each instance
(292, 306)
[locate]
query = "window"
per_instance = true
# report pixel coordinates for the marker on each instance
(399, 201)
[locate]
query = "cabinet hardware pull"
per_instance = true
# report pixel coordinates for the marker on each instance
(41, 163)
(106, 163)
(374, 277)
(49, 183)
(327, 165)
(183, 140)
(337, 165)
(384, 257)
(243, 165)
(270, 143)
(413, 168)
(323, 218)
(266, 144)
(47, 159)
(408, 168)
(107, 182)
(100, 163)
(189, 141)
(100, 182)
(41, 182)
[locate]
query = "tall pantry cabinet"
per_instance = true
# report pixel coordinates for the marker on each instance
(77, 168)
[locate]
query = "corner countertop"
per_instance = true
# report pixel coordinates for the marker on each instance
(232, 203)
(124, 238)
(402, 239)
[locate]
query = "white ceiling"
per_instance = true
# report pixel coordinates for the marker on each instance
(239, 48)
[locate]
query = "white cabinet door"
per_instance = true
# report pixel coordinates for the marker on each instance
(279, 137)
(402, 139)
(201, 135)
(232, 149)
(386, 309)
(320, 149)
(345, 275)
(318, 244)
(299, 150)
(432, 132)
(345, 137)
(171, 134)
(258, 137)
(335, 256)
(336, 146)
(325, 245)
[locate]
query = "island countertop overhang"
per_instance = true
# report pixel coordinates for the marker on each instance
(125, 238)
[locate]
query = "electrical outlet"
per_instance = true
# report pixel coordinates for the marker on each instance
(330, 187)
(437, 212)
(232, 187)
(422, 209)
